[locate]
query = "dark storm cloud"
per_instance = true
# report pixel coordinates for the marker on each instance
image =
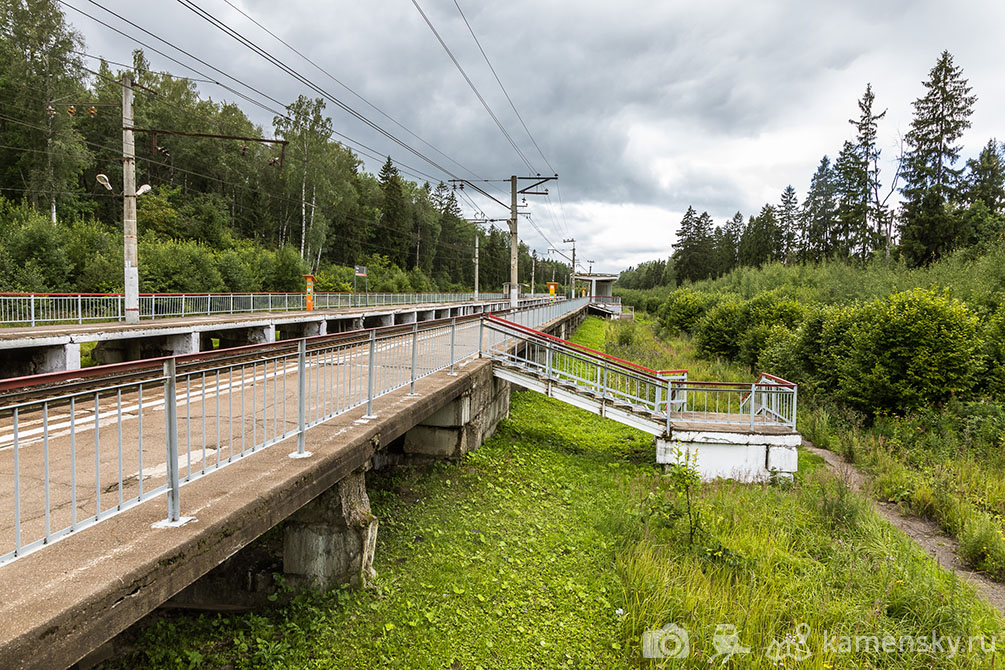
(647, 105)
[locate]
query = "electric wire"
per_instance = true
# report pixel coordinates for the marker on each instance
(499, 81)
(346, 87)
(474, 88)
(245, 186)
(243, 96)
(241, 39)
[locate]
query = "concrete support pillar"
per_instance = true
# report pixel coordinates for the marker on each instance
(331, 540)
(262, 335)
(744, 457)
(463, 424)
(314, 328)
(71, 356)
(187, 343)
(445, 434)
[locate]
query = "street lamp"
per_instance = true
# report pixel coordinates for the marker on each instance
(130, 272)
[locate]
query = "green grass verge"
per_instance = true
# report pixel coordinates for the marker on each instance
(557, 544)
(944, 464)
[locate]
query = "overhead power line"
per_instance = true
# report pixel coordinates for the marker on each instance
(241, 39)
(499, 81)
(346, 87)
(474, 89)
(241, 95)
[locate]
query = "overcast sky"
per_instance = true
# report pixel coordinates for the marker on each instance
(642, 107)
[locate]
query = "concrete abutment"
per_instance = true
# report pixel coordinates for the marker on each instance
(746, 457)
(331, 540)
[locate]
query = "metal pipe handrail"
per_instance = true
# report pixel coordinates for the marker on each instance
(133, 440)
(33, 308)
(536, 333)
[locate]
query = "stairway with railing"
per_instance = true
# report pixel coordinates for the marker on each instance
(656, 401)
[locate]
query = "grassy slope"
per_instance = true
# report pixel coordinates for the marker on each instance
(947, 463)
(520, 555)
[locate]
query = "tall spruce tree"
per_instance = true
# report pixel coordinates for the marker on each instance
(761, 241)
(928, 225)
(788, 218)
(819, 214)
(985, 179)
(866, 130)
(851, 236)
(395, 228)
(693, 251)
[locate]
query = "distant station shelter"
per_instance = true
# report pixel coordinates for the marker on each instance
(600, 284)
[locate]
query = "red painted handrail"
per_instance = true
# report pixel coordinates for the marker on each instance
(621, 361)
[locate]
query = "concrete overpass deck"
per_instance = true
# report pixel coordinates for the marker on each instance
(59, 604)
(63, 600)
(55, 348)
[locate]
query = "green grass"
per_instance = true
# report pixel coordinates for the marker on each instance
(558, 543)
(86, 359)
(944, 464)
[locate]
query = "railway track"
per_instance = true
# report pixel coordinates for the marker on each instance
(41, 387)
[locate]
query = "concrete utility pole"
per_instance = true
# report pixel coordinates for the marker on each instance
(514, 246)
(572, 276)
(533, 271)
(476, 265)
(131, 267)
(514, 249)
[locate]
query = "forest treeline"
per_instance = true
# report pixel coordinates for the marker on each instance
(222, 214)
(846, 213)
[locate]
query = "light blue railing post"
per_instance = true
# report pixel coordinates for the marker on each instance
(669, 395)
(453, 333)
(415, 356)
(301, 451)
(171, 427)
(795, 391)
(369, 376)
(753, 401)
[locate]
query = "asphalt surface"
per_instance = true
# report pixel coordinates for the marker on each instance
(96, 453)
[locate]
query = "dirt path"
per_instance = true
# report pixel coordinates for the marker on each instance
(943, 548)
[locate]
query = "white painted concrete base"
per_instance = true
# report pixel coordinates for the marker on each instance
(741, 456)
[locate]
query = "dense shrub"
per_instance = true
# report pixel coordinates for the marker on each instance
(684, 308)
(993, 336)
(779, 353)
(908, 350)
(822, 344)
(738, 330)
(176, 266)
(32, 256)
(718, 333)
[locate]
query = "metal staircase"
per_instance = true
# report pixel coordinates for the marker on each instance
(655, 401)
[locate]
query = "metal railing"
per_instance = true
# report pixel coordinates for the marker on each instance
(587, 371)
(769, 401)
(661, 395)
(19, 309)
(78, 457)
(606, 299)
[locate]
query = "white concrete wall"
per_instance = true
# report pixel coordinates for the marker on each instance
(741, 456)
